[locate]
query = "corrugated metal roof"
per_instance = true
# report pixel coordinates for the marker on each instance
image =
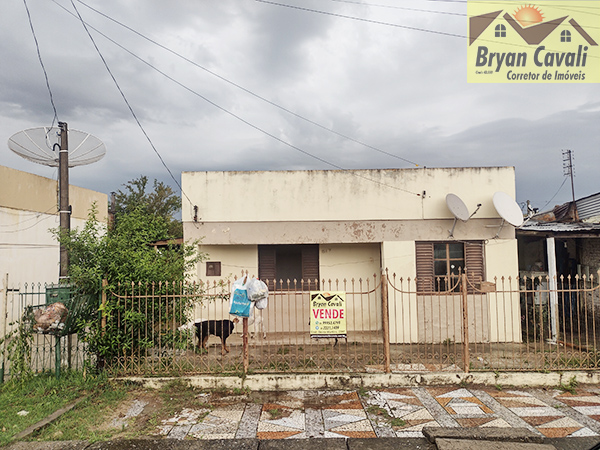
(558, 227)
(588, 207)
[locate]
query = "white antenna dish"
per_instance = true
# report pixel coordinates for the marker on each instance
(38, 145)
(508, 208)
(457, 207)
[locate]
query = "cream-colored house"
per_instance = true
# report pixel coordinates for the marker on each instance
(29, 253)
(351, 224)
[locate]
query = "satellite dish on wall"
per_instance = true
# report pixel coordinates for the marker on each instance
(458, 209)
(508, 210)
(38, 145)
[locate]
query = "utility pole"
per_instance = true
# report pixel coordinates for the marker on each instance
(568, 168)
(63, 206)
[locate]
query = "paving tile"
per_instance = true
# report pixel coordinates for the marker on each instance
(474, 422)
(496, 423)
(275, 434)
(440, 415)
(535, 411)
(314, 423)
(249, 423)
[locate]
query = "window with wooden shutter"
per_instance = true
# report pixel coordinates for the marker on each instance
(281, 263)
(424, 266)
(439, 265)
(266, 264)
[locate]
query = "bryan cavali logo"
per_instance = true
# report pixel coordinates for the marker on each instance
(545, 42)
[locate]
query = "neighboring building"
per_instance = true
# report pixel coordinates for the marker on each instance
(351, 224)
(29, 253)
(562, 242)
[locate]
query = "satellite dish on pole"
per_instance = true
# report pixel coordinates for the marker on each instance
(38, 145)
(49, 146)
(458, 209)
(508, 209)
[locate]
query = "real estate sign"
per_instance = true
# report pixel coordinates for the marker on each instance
(327, 314)
(541, 42)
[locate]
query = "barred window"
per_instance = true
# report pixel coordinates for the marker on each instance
(439, 264)
(565, 36)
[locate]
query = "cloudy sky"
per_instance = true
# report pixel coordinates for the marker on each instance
(254, 85)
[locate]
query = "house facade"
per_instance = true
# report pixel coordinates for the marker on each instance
(28, 210)
(350, 224)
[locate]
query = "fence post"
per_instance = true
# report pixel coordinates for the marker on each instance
(4, 322)
(245, 343)
(385, 317)
(245, 337)
(103, 319)
(466, 356)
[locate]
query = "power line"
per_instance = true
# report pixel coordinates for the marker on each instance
(245, 89)
(256, 127)
(548, 202)
(127, 102)
(361, 19)
(399, 7)
(37, 46)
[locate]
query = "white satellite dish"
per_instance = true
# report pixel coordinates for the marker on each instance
(59, 147)
(457, 207)
(508, 208)
(38, 145)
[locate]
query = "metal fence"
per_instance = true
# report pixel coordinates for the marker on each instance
(522, 324)
(47, 351)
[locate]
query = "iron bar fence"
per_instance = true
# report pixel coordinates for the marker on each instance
(509, 324)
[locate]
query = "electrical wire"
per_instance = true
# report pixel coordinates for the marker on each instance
(361, 19)
(548, 202)
(282, 141)
(30, 226)
(127, 102)
(37, 46)
(399, 7)
(36, 216)
(248, 91)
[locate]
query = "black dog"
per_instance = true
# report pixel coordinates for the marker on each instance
(220, 328)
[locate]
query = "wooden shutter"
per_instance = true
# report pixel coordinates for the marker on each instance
(474, 262)
(266, 265)
(424, 251)
(310, 266)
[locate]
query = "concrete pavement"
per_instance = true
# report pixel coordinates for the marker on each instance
(416, 417)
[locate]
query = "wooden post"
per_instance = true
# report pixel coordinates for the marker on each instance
(465, 308)
(245, 344)
(385, 317)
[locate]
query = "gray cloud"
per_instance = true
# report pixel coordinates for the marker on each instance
(403, 91)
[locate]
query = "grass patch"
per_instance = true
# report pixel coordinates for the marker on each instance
(42, 395)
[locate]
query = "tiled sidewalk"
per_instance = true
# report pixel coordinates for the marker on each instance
(393, 412)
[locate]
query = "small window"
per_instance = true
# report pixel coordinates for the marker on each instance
(439, 265)
(213, 269)
(500, 30)
(565, 36)
(448, 264)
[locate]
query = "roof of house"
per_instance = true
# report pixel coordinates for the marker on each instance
(563, 220)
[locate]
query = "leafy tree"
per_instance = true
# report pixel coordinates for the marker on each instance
(160, 202)
(124, 256)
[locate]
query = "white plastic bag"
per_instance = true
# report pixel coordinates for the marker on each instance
(257, 290)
